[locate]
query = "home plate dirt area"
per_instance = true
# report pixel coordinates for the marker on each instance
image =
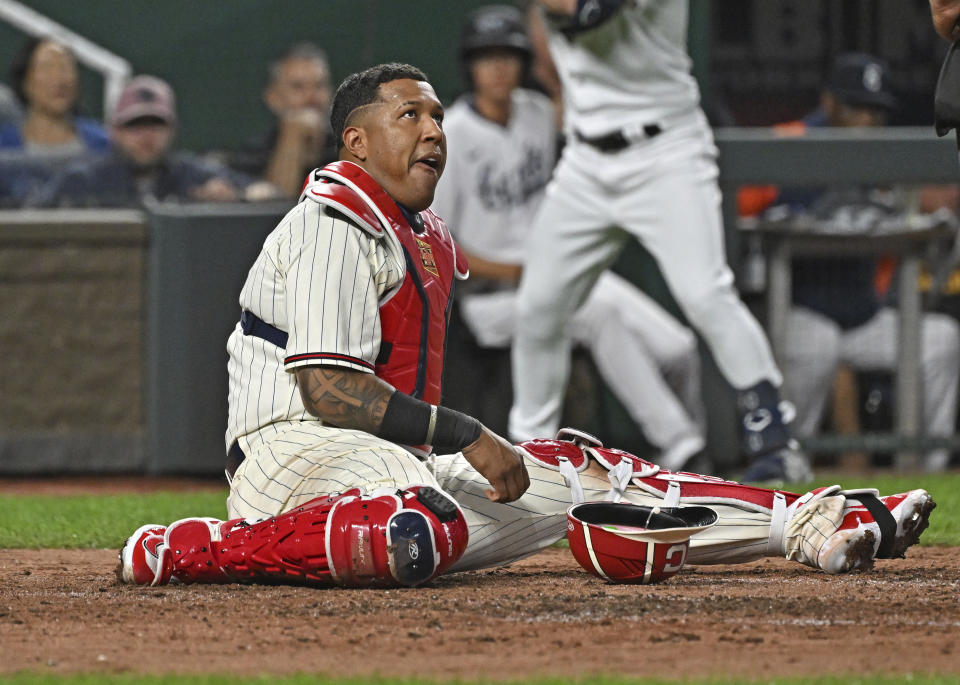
(62, 611)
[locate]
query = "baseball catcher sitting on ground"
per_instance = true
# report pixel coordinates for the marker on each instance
(343, 468)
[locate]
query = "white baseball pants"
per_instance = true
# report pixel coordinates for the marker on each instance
(664, 193)
(645, 356)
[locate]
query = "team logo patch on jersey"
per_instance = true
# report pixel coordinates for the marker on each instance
(426, 257)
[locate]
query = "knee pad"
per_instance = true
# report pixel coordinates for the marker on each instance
(405, 538)
(396, 538)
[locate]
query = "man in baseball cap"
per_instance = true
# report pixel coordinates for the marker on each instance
(145, 97)
(858, 91)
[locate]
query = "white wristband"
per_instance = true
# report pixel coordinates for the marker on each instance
(432, 426)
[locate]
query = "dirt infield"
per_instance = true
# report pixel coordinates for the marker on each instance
(61, 611)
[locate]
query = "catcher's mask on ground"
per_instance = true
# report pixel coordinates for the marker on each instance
(628, 543)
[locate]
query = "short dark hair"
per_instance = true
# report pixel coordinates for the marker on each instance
(362, 88)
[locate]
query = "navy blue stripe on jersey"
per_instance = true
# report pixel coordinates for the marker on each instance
(329, 356)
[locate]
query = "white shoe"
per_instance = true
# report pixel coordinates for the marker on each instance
(847, 550)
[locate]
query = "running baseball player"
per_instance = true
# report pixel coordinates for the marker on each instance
(640, 161)
(502, 150)
(343, 468)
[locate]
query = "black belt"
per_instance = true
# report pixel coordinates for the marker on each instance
(235, 457)
(251, 324)
(616, 141)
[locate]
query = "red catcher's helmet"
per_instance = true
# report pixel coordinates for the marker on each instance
(629, 543)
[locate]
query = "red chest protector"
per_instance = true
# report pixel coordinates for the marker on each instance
(414, 317)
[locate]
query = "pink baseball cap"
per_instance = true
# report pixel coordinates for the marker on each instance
(145, 97)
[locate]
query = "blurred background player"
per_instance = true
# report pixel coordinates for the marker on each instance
(298, 95)
(838, 317)
(639, 162)
(141, 165)
(502, 147)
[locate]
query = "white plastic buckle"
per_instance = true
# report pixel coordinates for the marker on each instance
(619, 476)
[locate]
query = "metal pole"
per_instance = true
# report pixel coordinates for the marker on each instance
(779, 295)
(908, 381)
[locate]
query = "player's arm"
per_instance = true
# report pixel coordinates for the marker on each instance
(353, 399)
(945, 15)
(489, 269)
(344, 397)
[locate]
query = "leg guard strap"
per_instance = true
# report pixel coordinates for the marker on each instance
(881, 515)
(778, 521)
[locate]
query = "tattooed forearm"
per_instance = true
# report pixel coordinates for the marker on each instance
(344, 397)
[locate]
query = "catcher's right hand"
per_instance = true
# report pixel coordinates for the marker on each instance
(500, 463)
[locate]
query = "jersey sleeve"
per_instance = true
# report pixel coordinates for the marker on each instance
(331, 294)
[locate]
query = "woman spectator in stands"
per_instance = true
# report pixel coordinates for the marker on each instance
(45, 78)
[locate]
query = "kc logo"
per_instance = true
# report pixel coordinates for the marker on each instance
(426, 257)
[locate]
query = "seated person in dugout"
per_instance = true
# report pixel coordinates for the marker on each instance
(838, 318)
(344, 468)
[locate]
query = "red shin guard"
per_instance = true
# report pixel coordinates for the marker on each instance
(355, 540)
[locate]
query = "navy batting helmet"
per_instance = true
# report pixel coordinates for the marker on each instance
(495, 26)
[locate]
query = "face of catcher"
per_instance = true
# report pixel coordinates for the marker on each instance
(399, 140)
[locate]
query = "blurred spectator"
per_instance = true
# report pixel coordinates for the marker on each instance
(46, 131)
(298, 94)
(501, 151)
(838, 317)
(10, 110)
(141, 165)
(45, 79)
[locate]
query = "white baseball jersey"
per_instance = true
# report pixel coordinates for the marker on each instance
(321, 280)
(634, 69)
(495, 175)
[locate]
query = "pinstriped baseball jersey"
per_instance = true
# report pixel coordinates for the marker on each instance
(321, 279)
